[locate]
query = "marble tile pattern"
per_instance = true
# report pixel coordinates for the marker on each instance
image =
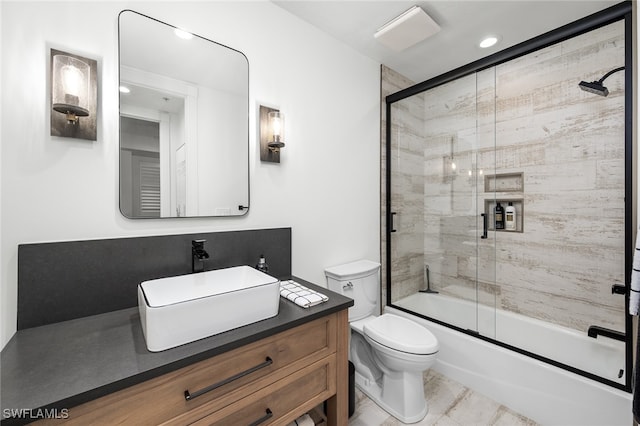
(523, 116)
(450, 403)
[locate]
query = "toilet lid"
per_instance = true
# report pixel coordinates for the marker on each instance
(401, 334)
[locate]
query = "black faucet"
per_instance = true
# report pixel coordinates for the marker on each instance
(198, 255)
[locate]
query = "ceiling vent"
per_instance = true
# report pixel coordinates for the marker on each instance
(404, 31)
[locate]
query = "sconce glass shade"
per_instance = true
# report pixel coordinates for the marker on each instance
(276, 129)
(70, 87)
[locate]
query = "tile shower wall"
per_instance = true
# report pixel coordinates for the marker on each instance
(568, 144)
(407, 191)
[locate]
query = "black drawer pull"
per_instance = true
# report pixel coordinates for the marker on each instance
(189, 396)
(263, 418)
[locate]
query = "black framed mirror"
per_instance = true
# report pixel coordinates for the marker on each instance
(184, 123)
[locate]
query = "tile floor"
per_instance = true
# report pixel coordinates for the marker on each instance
(450, 404)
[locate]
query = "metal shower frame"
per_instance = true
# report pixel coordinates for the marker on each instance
(621, 11)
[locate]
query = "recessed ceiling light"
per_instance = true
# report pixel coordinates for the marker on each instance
(488, 41)
(124, 89)
(183, 34)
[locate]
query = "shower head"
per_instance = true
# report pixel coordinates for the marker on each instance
(596, 87)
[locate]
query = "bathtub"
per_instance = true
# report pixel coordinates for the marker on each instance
(545, 393)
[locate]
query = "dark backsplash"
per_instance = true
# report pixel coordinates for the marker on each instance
(60, 281)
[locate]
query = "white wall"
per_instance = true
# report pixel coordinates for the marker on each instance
(220, 159)
(326, 188)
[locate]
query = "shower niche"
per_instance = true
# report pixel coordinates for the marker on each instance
(504, 182)
(490, 208)
(503, 188)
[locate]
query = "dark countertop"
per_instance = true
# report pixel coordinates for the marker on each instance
(65, 364)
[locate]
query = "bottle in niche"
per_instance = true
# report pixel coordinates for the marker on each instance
(510, 217)
(499, 216)
(262, 264)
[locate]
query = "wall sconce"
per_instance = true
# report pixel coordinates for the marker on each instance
(73, 95)
(70, 90)
(271, 134)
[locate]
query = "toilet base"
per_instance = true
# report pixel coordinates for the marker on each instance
(373, 390)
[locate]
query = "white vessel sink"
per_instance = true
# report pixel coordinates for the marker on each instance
(182, 309)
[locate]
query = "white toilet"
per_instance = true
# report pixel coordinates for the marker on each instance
(389, 352)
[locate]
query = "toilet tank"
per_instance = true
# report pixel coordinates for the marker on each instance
(360, 281)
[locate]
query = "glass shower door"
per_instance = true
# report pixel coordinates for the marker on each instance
(485, 172)
(436, 205)
(520, 140)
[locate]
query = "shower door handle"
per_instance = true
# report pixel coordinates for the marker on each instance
(484, 225)
(391, 227)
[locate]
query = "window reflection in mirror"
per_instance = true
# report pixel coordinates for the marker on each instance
(183, 123)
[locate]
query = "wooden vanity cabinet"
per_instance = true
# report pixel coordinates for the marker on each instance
(271, 381)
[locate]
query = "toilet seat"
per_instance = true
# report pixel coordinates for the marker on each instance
(401, 334)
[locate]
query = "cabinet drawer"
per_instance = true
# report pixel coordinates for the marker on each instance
(282, 402)
(216, 382)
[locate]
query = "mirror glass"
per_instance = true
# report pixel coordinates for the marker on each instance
(184, 123)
